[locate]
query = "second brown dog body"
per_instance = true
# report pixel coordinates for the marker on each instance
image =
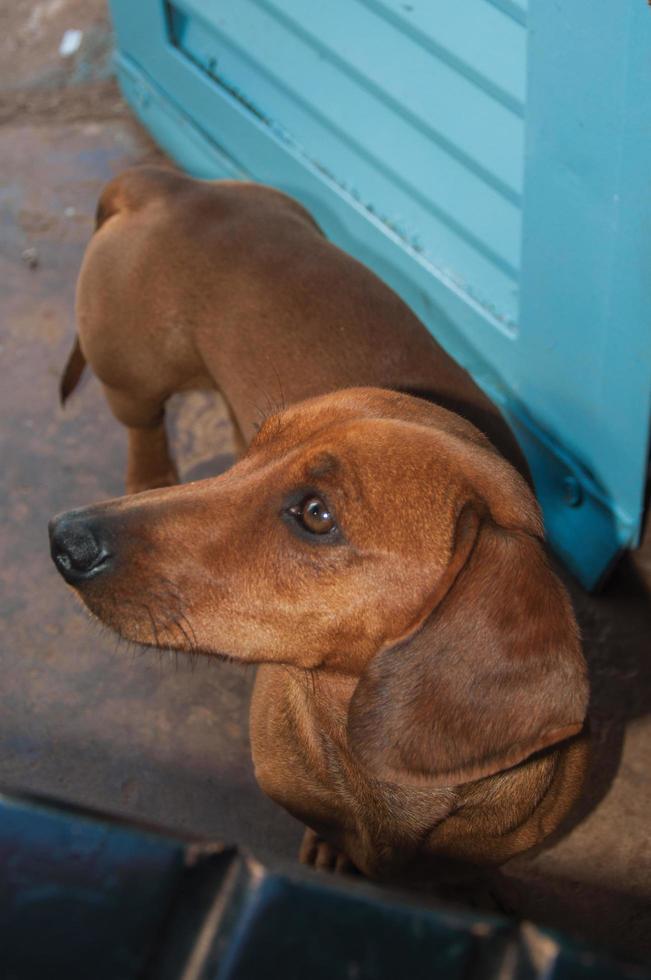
(422, 689)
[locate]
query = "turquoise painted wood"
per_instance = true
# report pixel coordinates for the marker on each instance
(491, 159)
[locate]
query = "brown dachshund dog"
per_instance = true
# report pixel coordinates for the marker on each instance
(422, 691)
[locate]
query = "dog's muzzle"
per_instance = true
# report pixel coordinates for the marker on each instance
(78, 547)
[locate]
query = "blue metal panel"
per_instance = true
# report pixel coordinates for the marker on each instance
(583, 362)
(83, 896)
(409, 131)
(448, 179)
(79, 898)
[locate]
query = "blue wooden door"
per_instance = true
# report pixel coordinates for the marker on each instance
(490, 159)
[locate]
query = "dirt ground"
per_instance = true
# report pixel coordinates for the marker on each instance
(157, 739)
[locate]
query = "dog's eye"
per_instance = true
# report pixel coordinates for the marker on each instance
(315, 516)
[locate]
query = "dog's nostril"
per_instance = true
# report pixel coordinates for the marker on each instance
(77, 548)
(63, 560)
(81, 549)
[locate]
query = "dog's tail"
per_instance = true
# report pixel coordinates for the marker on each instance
(107, 206)
(72, 372)
(127, 192)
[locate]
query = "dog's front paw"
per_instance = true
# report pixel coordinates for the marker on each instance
(318, 853)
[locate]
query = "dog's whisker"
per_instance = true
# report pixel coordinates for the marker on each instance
(195, 644)
(180, 628)
(153, 624)
(282, 405)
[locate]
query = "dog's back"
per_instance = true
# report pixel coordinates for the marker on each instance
(190, 284)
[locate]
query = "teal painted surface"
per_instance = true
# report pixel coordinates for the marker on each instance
(488, 160)
(586, 284)
(448, 179)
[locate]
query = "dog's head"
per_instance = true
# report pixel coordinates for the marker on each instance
(368, 533)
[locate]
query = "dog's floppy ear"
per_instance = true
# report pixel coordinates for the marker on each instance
(493, 675)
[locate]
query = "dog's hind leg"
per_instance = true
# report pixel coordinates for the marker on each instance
(149, 463)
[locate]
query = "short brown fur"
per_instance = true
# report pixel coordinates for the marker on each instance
(422, 693)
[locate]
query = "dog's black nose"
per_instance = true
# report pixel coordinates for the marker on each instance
(78, 548)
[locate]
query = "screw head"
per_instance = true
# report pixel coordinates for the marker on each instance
(142, 96)
(572, 492)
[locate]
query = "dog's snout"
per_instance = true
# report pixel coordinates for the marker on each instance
(78, 547)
